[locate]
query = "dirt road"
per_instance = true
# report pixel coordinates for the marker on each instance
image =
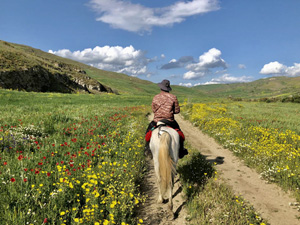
(268, 199)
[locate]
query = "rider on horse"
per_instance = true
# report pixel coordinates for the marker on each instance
(164, 106)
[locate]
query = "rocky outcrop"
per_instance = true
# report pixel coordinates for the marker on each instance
(39, 79)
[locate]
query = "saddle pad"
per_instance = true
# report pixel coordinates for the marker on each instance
(149, 133)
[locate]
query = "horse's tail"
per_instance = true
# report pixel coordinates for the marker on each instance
(166, 164)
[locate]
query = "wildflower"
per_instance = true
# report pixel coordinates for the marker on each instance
(12, 179)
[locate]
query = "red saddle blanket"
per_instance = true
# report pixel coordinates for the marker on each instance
(149, 133)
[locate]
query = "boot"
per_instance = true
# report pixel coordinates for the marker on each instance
(147, 152)
(182, 151)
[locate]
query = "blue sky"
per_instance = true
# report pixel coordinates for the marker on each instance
(189, 42)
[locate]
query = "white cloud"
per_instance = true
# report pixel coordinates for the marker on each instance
(242, 66)
(208, 61)
(186, 84)
(113, 58)
(191, 75)
(206, 83)
(138, 18)
(293, 71)
(273, 68)
(276, 68)
(226, 79)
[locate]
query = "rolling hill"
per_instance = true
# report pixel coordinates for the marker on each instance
(263, 88)
(26, 68)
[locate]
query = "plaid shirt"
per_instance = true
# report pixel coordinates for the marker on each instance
(164, 106)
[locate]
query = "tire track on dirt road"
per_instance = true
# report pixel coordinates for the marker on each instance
(268, 199)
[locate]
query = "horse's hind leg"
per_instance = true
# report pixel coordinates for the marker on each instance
(170, 204)
(160, 198)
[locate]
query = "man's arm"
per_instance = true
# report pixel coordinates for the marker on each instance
(176, 106)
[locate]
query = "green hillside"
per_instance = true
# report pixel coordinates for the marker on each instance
(267, 87)
(17, 58)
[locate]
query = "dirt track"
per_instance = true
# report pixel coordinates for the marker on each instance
(269, 200)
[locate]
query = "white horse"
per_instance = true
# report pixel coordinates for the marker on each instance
(164, 145)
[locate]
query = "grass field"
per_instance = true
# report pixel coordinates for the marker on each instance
(266, 136)
(78, 159)
(69, 159)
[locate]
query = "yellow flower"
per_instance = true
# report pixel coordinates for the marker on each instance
(62, 213)
(71, 185)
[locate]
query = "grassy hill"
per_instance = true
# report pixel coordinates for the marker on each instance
(15, 57)
(267, 87)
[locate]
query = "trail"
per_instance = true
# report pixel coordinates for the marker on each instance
(268, 199)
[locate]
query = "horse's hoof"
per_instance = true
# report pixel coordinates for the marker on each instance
(160, 200)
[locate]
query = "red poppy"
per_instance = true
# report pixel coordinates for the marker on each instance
(12, 179)
(37, 172)
(5, 163)
(45, 220)
(48, 174)
(25, 169)
(25, 180)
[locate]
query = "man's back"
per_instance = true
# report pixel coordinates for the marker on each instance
(164, 106)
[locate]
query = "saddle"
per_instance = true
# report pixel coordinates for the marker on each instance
(160, 124)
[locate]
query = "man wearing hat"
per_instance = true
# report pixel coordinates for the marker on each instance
(164, 106)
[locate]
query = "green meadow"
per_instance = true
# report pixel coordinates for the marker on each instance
(78, 159)
(266, 136)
